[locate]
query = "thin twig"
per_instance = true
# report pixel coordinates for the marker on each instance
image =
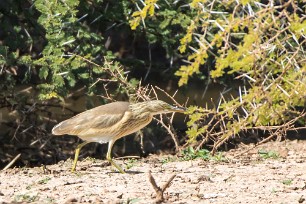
(12, 162)
(17, 157)
(170, 129)
(168, 95)
(128, 157)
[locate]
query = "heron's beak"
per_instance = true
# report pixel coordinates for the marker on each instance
(178, 109)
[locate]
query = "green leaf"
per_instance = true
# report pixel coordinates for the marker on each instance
(43, 72)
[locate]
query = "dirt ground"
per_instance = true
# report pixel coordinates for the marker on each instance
(275, 175)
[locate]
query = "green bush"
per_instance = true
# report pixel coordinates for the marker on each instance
(261, 44)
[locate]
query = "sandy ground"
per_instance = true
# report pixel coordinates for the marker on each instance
(246, 178)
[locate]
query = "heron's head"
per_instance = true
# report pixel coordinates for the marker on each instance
(159, 107)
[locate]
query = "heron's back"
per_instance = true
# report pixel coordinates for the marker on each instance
(95, 120)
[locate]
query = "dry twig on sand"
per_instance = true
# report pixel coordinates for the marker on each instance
(160, 191)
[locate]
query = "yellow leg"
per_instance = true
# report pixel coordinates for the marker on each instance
(76, 156)
(109, 156)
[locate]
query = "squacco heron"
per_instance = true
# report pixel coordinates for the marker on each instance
(108, 123)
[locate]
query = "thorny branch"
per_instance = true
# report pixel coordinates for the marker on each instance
(276, 76)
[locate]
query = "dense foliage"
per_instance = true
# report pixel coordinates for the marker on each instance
(261, 43)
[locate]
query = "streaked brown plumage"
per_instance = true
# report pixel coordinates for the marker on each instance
(109, 122)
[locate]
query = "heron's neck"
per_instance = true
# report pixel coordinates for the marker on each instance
(141, 110)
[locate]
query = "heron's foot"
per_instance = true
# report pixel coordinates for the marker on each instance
(76, 155)
(117, 166)
(72, 170)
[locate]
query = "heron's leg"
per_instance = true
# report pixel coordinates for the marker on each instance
(76, 156)
(109, 156)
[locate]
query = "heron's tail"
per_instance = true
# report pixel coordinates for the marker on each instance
(57, 130)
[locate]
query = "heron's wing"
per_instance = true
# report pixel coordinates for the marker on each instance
(97, 118)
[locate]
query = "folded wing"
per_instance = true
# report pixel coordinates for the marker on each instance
(99, 118)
